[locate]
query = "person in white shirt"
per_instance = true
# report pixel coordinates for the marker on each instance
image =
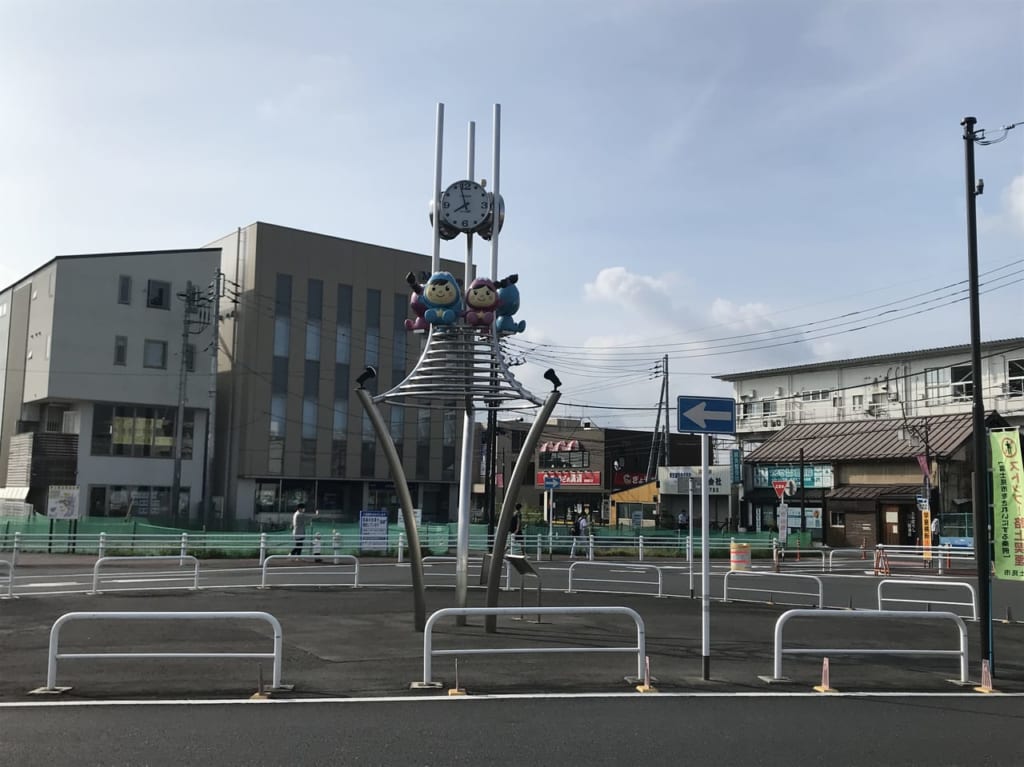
(579, 533)
(299, 528)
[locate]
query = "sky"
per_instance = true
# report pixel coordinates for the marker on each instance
(736, 184)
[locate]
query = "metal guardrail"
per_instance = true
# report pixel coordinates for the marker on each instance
(943, 557)
(54, 655)
(178, 557)
(929, 584)
(744, 573)
(619, 565)
(10, 577)
(437, 559)
(429, 652)
(349, 559)
(779, 651)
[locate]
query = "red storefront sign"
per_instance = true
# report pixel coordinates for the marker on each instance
(629, 478)
(571, 478)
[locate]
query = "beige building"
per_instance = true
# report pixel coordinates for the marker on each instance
(309, 313)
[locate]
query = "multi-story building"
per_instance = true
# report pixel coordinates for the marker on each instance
(870, 441)
(92, 392)
(312, 312)
(926, 382)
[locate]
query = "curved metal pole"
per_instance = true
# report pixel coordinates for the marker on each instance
(465, 490)
(411, 534)
(509, 502)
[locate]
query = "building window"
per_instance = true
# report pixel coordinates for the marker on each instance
(140, 431)
(423, 443)
(158, 294)
(121, 350)
(936, 385)
(767, 406)
(190, 358)
(816, 395)
(373, 327)
(396, 427)
(154, 354)
(857, 402)
(124, 289)
(961, 383)
(1015, 378)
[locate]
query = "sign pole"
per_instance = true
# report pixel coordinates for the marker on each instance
(689, 539)
(705, 561)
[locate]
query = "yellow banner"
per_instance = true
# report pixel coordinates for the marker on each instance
(1007, 505)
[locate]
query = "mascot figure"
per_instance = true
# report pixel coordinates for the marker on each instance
(482, 299)
(442, 298)
(508, 304)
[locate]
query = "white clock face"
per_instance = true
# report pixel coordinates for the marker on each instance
(465, 206)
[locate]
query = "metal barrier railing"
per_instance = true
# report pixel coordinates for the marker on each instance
(53, 654)
(779, 651)
(506, 571)
(10, 577)
(617, 565)
(428, 652)
(928, 585)
(771, 591)
(177, 557)
(348, 559)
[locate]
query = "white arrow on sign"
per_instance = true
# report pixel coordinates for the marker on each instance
(700, 416)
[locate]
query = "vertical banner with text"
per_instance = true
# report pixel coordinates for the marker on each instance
(1007, 505)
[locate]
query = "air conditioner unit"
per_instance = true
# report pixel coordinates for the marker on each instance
(894, 397)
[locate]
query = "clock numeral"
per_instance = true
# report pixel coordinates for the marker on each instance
(446, 204)
(483, 205)
(465, 222)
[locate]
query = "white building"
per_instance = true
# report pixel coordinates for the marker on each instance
(926, 382)
(91, 351)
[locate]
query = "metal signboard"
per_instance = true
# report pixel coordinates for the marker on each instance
(552, 482)
(706, 415)
(373, 530)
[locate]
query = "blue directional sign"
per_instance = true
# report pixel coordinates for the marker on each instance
(707, 415)
(552, 482)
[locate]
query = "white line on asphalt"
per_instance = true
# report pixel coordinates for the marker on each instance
(521, 696)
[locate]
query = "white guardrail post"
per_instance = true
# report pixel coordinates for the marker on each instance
(867, 615)
(401, 546)
(263, 547)
(348, 558)
(53, 655)
(101, 548)
(821, 587)
(16, 549)
(145, 558)
(590, 549)
(184, 546)
(973, 604)
(335, 545)
(640, 552)
(428, 652)
(10, 577)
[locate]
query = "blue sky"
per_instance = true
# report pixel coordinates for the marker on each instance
(678, 175)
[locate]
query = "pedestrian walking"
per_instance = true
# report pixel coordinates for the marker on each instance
(299, 521)
(516, 530)
(579, 533)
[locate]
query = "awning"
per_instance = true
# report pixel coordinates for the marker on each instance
(892, 493)
(13, 493)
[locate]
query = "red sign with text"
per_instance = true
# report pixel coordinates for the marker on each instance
(571, 478)
(780, 487)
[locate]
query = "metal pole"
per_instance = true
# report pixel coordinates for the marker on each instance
(981, 480)
(705, 562)
(435, 259)
(495, 188)
(179, 421)
(689, 538)
(511, 494)
(211, 417)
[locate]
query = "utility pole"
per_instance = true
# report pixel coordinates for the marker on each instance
(211, 419)
(194, 321)
(659, 452)
(980, 494)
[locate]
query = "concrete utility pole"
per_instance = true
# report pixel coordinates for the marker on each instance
(195, 321)
(216, 289)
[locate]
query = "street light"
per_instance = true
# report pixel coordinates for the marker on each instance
(982, 546)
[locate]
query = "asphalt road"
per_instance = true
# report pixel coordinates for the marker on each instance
(722, 730)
